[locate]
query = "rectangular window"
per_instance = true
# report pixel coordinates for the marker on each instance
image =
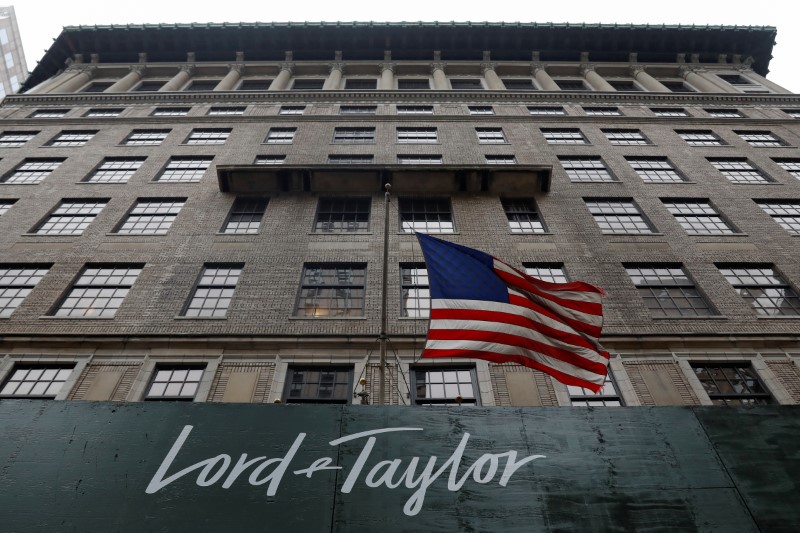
(307, 84)
(586, 169)
(444, 386)
(608, 396)
(700, 138)
(571, 85)
(42, 381)
(115, 170)
(72, 138)
(792, 166)
(270, 159)
(760, 138)
(171, 111)
(419, 159)
(415, 110)
(724, 113)
(669, 112)
(332, 290)
(602, 111)
(70, 217)
(466, 84)
(49, 113)
(197, 86)
(16, 283)
(358, 109)
(318, 384)
(618, 216)
(546, 110)
(104, 112)
(794, 113)
(550, 272)
(151, 216)
(175, 383)
(219, 111)
(626, 137)
(522, 215)
(149, 86)
(655, 169)
(292, 110)
(426, 215)
(739, 170)
(480, 110)
(99, 291)
(417, 135)
(342, 215)
(698, 217)
(184, 169)
(145, 137)
(731, 384)
(624, 86)
(518, 84)
(415, 293)
(5, 205)
(245, 216)
(763, 288)
(564, 136)
(32, 171)
(491, 136)
(500, 159)
(413, 84)
(14, 139)
(364, 84)
(280, 136)
(351, 159)
(677, 86)
(208, 136)
(668, 292)
(214, 291)
(254, 85)
(743, 84)
(784, 212)
(354, 135)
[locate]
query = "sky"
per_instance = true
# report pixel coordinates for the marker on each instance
(40, 21)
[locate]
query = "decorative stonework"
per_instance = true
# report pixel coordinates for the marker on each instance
(487, 66)
(336, 66)
(386, 66)
(438, 65)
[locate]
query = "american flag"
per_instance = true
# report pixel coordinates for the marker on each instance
(483, 308)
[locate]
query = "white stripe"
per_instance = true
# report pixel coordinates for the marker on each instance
(578, 296)
(586, 318)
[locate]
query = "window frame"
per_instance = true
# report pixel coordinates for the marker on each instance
(354, 135)
(416, 135)
(416, 281)
(579, 394)
(162, 227)
(197, 175)
(782, 283)
(302, 286)
(685, 219)
(793, 226)
(280, 135)
(586, 169)
(447, 400)
(152, 140)
(207, 136)
(491, 135)
(28, 135)
(67, 218)
(23, 366)
(615, 214)
(238, 210)
(75, 285)
(534, 269)
(668, 168)
(348, 397)
(30, 275)
(626, 137)
(689, 291)
(403, 212)
(167, 367)
(564, 136)
(534, 215)
(323, 208)
(126, 173)
(725, 397)
(39, 174)
(227, 291)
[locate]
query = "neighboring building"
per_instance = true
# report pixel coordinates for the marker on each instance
(13, 69)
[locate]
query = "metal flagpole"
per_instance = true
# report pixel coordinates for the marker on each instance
(385, 282)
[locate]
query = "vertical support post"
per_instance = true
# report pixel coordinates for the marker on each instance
(384, 296)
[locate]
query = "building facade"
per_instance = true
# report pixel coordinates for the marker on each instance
(13, 69)
(197, 212)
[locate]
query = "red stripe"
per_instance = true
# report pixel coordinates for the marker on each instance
(573, 286)
(577, 325)
(590, 308)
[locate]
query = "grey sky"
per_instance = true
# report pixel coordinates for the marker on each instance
(40, 21)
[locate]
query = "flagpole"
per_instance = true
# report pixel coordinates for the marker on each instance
(384, 287)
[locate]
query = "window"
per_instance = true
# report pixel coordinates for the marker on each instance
(571, 85)
(480, 110)
(743, 84)
(586, 169)
(724, 113)
(602, 111)
(415, 110)
(364, 84)
(518, 84)
(245, 216)
(32, 171)
(280, 136)
(218, 111)
(72, 138)
(254, 85)
(5, 205)
(546, 110)
(677, 86)
(760, 138)
(342, 215)
(792, 166)
(98, 292)
(115, 170)
(332, 290)
(608, 396)
(413, 84)
(466, 84)
(151, 216)
(292, 110)
(270, 159)
(318, 384)
(522, 215)
(698, 217)
(16, 283)
(354, 135)
(417, 135)
(731, 384)
(763, 288)
(184, 169)
(443, 386)
(626, 137)
(419, 159)
(618, 216)
(197, 86)
(669, 112)
(214, 291)
(36, 381)
(700, 138)
(426, 215)
(208, 136)
(149, 86)
(358, 109)
(550, 272)
(794, 113)
(739, 170)
(171, 111)
(49, 113)
(655, 169)
(624, 85)
(564, 136)
(70, 217)
(101, 112)
(500, 159)
(13, 139)
(308, 84)
(146, 137)
(491, 136)
(784, 212)
(175, 382)
(668, 292)
(415, 293)
(351, 159)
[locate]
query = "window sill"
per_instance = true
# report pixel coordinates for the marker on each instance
(223, 234)
(318, 318)
(427, 233)
(60, 237)
(181, 317)
(51, 317)
(528, 233)
(337, 234)
(87, 182)
(135, 235)
(711, 317)
(633, 235)
(703, 235)
(779, 317)
(412, 319)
